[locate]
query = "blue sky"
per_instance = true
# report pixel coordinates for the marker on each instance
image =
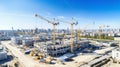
(20, 13)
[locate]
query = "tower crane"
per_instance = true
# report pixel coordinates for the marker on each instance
(85, 27)
(72, 23)
(78, 34)
(54, 25)
(100, 30)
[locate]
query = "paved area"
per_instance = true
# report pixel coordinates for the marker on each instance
(102, 51)
(26, 61)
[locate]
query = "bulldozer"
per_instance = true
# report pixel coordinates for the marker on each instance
(32, 53)
(38, 57)
(48, 59)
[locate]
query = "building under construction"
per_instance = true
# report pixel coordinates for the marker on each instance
(54, 49)
(58, 50)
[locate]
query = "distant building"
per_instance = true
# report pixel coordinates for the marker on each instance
(117, 38)
(16, 40)
(111, 34)
(35, 31)
(26, 41)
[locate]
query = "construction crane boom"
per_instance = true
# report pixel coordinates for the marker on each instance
(54, 25)
(42, 18)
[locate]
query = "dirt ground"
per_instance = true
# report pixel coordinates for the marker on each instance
(28, 61)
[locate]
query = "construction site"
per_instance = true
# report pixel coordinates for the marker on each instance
(59, 33)
(34, 49)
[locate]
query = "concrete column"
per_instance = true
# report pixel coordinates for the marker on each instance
(111, 60)
(119, 44)
(117, 62)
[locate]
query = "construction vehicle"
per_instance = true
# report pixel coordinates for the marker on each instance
(32, 53)
(72, 32)
(54, 25)
(48, 59)
(27, 52)
(39, 56)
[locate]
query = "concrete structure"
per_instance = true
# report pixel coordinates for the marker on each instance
(16, 40)
(28, 41)
(48, 49)
(60, 49)
(116, 55)
(99, 62)
(117, 39)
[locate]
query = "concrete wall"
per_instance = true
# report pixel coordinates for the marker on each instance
(116, 54)
(117, 38)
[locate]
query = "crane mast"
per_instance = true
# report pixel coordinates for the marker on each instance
(78, 34)
(72, 32)
(99, 32)
(72, 38)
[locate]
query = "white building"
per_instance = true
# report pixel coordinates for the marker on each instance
(27, 41)
(117, 38)
(22, 41)
(116, 55)
(16, 40)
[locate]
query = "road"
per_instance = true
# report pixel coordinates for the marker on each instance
(26, 61)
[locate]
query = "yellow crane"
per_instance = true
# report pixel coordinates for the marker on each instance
(78, 34)
(86, 26)
(54, 25)
(80, 30)
(72, 23)
(100, 30)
